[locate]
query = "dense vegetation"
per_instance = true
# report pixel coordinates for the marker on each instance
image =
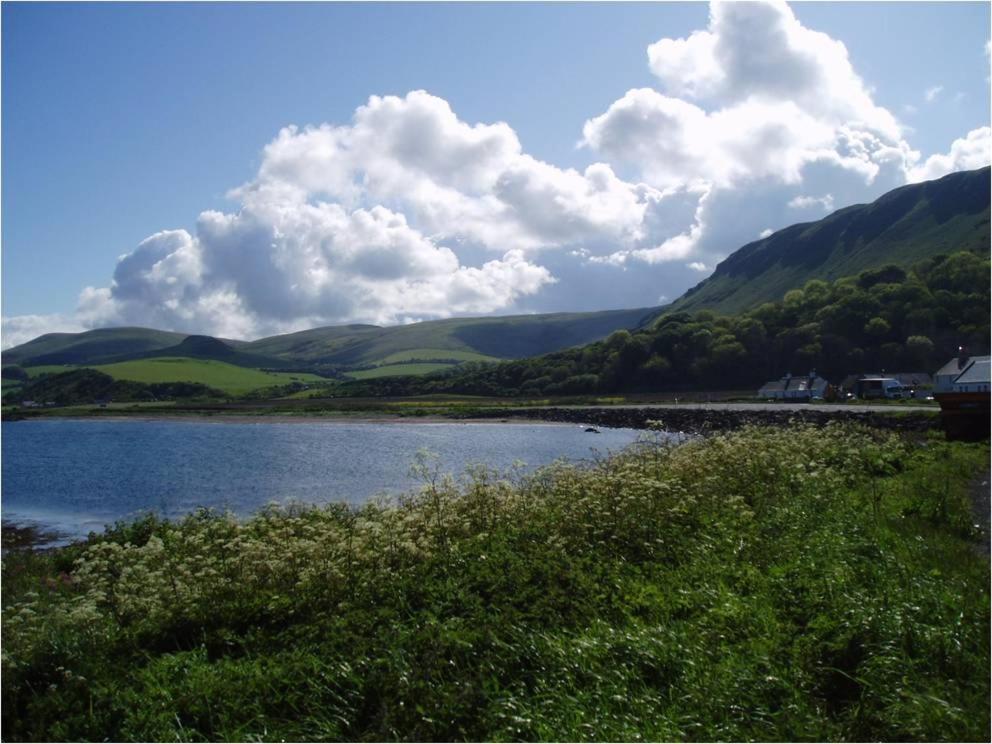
(882, 319)
(84, 386)
(902, 227)
(791, 584)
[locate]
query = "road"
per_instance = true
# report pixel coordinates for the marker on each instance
(825, 407)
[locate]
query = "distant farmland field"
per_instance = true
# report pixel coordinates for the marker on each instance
(435, 355)
(396, 370)
(220, 375)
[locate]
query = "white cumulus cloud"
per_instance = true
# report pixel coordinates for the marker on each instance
(974, 150)
(760, 51)
(19, 329)
(278, 266)
(825, 202)
(409, 212)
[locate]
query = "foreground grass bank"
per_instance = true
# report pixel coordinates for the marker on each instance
(770, 584)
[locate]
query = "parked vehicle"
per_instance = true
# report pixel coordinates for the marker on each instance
(868, 388)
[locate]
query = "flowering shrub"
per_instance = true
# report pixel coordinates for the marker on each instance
(764, 583)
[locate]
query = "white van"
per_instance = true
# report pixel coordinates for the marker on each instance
(881, 387)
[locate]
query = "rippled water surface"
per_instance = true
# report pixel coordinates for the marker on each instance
(78, 475)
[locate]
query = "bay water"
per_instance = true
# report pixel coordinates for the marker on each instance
(75, 476)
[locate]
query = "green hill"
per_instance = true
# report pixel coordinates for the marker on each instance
(413, 346)
(90, 347)
(452, 339)
(902, 227)
(315, 344)
(210, 348)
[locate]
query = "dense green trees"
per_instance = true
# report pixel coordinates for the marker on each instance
(882, 319)
(13, 372)
(83, 386)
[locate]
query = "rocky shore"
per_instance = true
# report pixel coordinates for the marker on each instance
(701, 420)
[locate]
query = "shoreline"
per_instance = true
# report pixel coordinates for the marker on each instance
(29, 535)
(238, 418)
(696, 415)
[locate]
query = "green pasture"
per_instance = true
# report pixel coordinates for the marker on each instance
(220, 375)
(48, 369)
(434, 355)
(398, 370)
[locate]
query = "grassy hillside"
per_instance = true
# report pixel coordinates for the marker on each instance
(220, 375)
(902, 227)
(208, 347)
(509, 337)
(665, 595)
(438, 342)
(313, 344)
(89, 347)
(397, 370)
(419, 355)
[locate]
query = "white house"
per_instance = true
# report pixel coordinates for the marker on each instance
(963, 375)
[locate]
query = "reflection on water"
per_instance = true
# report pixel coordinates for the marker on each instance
(78, 475)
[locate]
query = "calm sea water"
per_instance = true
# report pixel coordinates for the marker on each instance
(77, 476)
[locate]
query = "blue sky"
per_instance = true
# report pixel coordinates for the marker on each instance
(121, 121)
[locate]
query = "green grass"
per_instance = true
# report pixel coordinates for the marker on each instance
(490, 337)
(430, 355)
(397, 370)
(317, 390)
(48, 369)
(227, 377)
(767, 584)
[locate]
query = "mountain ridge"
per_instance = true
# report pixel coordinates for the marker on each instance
(347, 346)
(905, 225)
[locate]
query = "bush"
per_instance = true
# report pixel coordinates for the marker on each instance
(769, 584)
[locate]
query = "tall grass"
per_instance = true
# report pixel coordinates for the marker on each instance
(765, 584)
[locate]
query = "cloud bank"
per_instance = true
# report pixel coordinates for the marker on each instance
(409, 212)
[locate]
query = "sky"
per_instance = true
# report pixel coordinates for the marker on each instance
(250, 169)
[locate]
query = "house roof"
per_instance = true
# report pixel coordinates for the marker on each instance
(799, 383)
(977, 371)
(953, 368)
